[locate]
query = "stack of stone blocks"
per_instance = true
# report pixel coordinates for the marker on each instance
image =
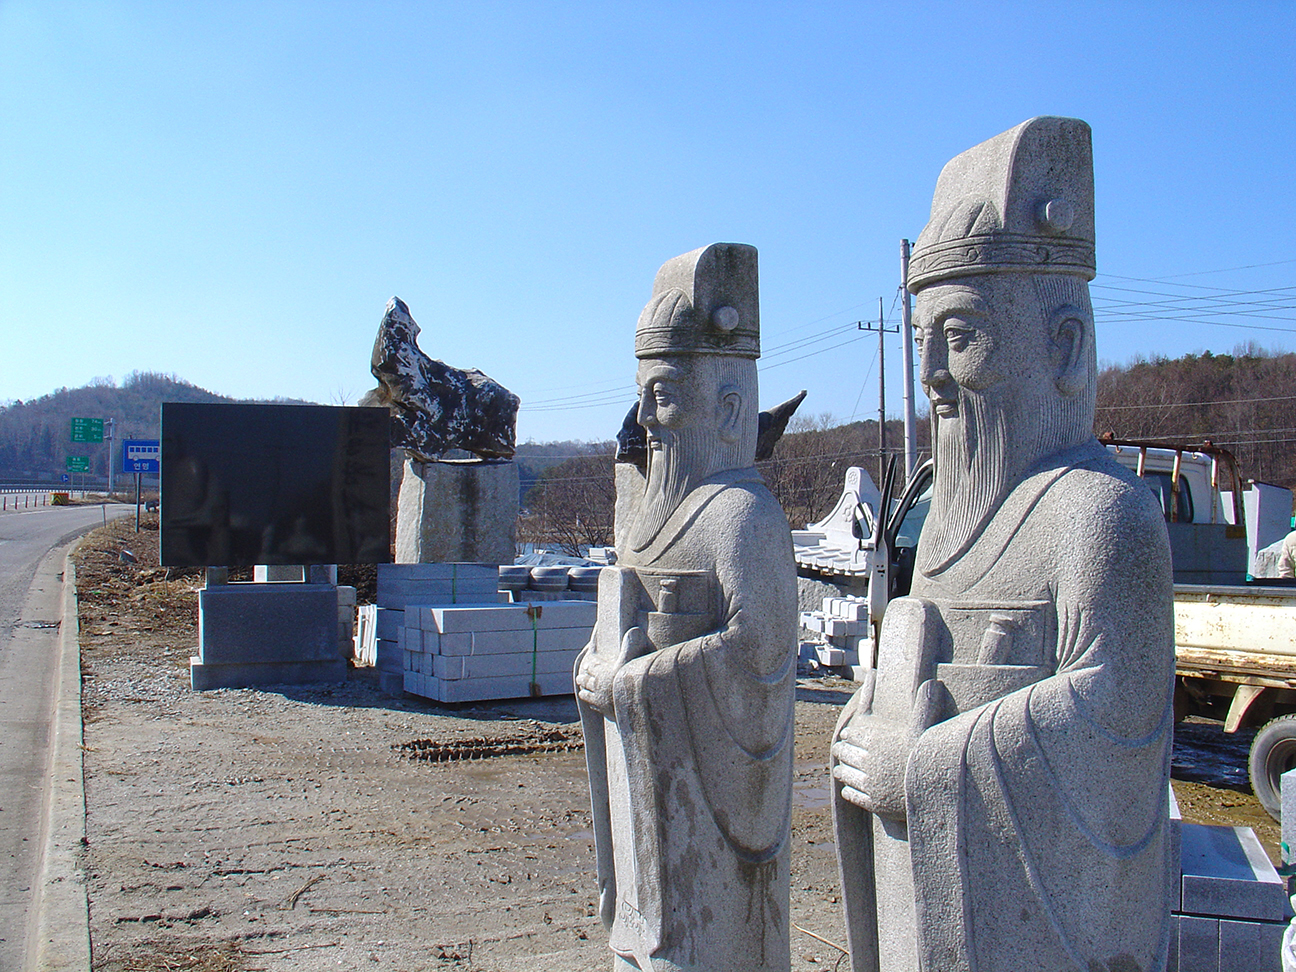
(1232, 906)
(467, 653)
(402, 585)
(555, 583)
(841, 635)
(448, 632)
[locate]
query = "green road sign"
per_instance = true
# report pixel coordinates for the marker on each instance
(87, 430)
(78, 463)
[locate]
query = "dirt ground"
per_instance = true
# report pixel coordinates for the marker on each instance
(335, 827)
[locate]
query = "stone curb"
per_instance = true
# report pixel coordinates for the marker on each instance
(61, 924)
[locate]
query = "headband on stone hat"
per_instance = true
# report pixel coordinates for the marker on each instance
(1022, 201)
(703, 302)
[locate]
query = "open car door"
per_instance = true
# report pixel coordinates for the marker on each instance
(904, 527)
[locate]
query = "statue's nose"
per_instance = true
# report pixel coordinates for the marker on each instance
(933, 369)
(647, 410)
(936, 382)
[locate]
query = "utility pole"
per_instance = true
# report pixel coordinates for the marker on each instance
(906, 356)
(108, 438)
(883, 331)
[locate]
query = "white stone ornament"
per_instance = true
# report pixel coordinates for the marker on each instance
(1057, 215)
(725, 318)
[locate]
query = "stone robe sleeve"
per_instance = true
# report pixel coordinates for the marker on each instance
(1050, 802)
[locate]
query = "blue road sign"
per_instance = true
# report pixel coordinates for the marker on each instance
(141, 455)
(65, 478)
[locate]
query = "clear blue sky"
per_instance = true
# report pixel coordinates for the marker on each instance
(231, 191)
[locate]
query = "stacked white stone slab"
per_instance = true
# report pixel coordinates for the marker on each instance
(467, 653)
(1232, 908)
(346, 620)
(366, 635)
(424, 584)
(842, 634)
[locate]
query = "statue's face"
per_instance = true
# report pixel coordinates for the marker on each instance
(678, 406)
(978, 333)
(673, 397)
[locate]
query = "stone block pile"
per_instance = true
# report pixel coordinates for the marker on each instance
(425, 584)
(841, 636)
(1230, 905)
(469, 632)
(467, 653)
(346, 620)
(550, 583)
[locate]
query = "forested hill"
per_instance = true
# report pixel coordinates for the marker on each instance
(34, 435)
(1245, 402)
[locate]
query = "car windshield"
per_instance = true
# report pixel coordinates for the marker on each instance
(911, 526)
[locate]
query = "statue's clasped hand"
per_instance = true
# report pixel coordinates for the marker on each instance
(596, 673)
(872, 755)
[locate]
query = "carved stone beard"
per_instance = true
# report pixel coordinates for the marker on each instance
(980, 456)
(678, 461)
(998, 436)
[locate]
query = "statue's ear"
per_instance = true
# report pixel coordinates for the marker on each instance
(1070, 332)
(730, 410)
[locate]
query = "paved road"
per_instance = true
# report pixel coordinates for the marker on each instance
(32, 543)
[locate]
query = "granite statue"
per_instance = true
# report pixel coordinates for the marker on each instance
(1000, 794)
(436, 408)
(686, 687)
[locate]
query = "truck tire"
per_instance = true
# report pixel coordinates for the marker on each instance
(1273, 753)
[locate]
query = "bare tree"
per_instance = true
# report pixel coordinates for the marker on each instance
(571, 505)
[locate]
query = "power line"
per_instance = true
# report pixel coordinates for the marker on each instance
(624, 399)
(863, 385)
(788, 348)
(1203, 309)
(780, 364)
(1200, 273)
(576, 398)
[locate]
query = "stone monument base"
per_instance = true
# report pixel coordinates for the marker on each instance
(266, 634)
(457, 511)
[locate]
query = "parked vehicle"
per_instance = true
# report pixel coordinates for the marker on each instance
(1235, 633)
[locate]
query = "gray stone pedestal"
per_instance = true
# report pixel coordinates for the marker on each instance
(457, 511)
(266, 634)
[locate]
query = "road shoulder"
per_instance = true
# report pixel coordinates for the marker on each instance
(60, 927)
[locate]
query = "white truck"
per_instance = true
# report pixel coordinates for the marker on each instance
(1235, 627)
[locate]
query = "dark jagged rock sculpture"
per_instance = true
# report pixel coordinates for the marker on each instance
(772, 424)
(632, 440)
(436, 408)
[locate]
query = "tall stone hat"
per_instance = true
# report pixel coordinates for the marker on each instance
(704, 302)
(1022, 201)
